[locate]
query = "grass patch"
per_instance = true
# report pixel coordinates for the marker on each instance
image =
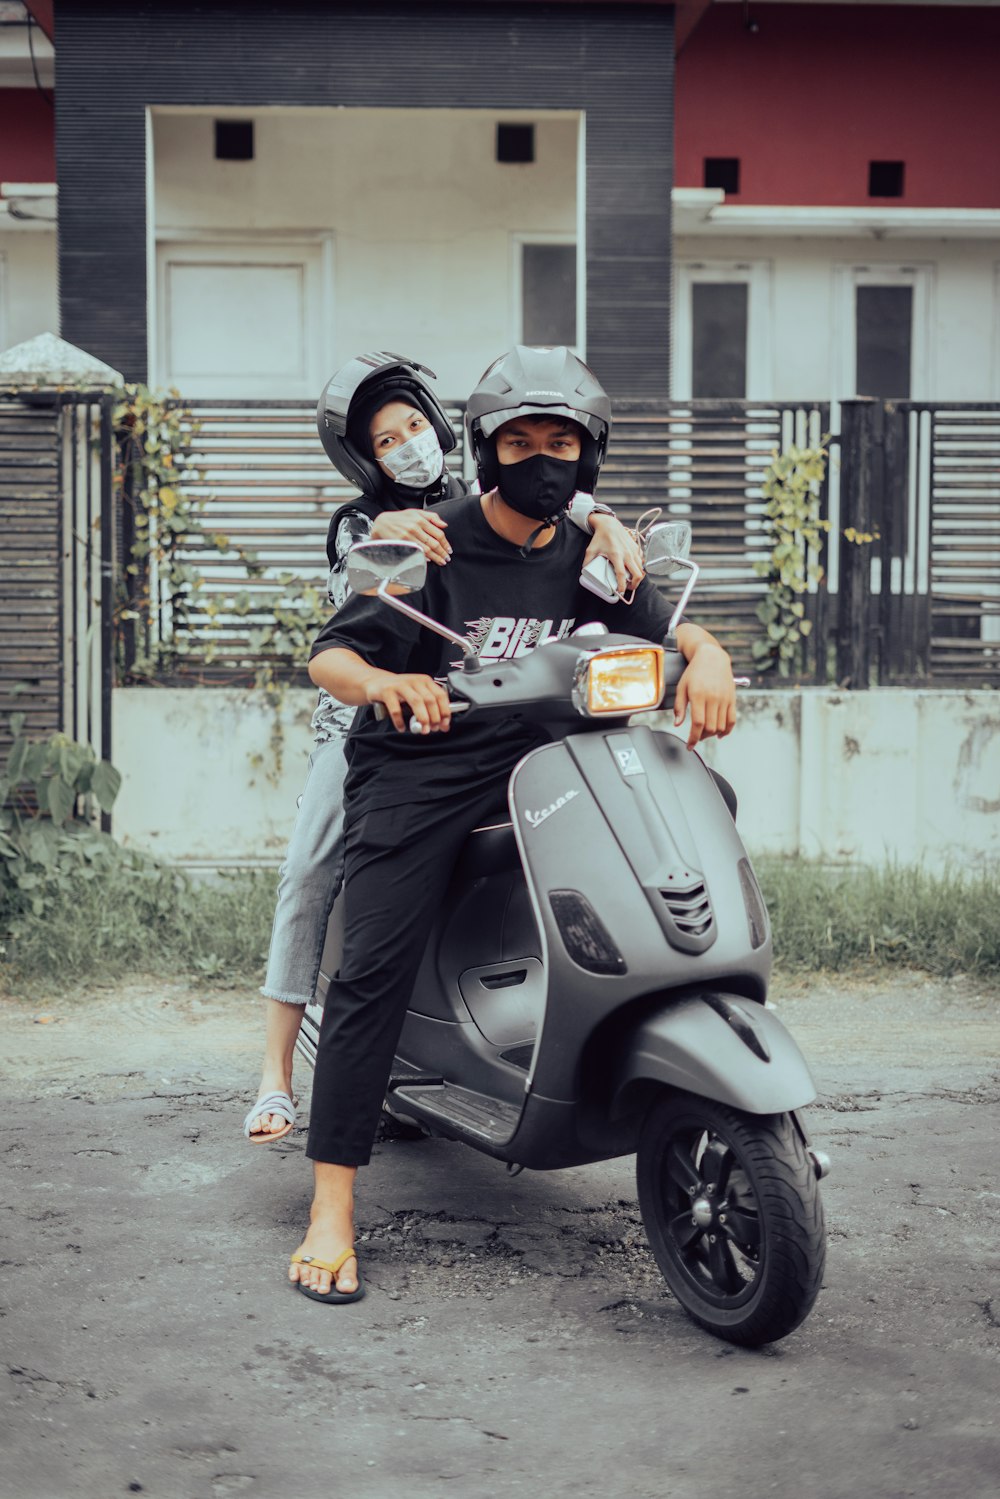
(135, 917)
(870, 918)
(141, 918)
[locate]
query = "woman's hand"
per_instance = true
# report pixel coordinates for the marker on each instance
(708, 689)
(426, 698)
(421, 526)
(614, 541)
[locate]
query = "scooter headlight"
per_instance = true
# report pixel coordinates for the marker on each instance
(621, 679)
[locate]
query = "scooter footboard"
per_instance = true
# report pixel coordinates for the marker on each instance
(720, 1046)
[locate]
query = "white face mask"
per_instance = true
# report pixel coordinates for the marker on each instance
(416, 463)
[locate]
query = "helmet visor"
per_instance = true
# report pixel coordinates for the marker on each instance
(491, 421)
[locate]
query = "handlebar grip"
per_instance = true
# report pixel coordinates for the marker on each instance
(674, 666)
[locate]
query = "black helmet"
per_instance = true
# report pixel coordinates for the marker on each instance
(546, 382)
(357, 391)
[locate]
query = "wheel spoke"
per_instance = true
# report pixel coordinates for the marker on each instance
(722, 1268)
(680, 1168)
(742, 1227)
(684, 1231)
(716, 1164)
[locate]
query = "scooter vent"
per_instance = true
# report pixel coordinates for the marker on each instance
(691, 909)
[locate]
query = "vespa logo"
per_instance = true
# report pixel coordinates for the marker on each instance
(535, 819)
(628, 762)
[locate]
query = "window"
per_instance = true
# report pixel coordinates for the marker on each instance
(234, 140)
(724, 172)
(548, 294)
(719, 338)
(885, 179)
(884, 340)
(515, 143)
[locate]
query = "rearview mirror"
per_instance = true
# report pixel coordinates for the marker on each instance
(667, 548)
(400, 565)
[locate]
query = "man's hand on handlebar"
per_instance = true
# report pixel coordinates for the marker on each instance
(708, 689)
(425, 698)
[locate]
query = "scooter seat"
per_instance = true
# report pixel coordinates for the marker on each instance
(488, 850)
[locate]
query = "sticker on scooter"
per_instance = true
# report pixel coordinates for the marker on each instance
(535, 819)
(628, 762)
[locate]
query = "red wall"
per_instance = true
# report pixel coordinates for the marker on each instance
(819, 91)
(27, 137)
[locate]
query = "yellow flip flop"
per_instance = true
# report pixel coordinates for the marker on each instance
(333, 1297)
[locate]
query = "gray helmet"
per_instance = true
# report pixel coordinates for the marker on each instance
(543, 382)
(351, 397)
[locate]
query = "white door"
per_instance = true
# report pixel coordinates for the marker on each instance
(244, 320)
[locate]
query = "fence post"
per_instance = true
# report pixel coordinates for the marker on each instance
(860, 502)
(71, 612)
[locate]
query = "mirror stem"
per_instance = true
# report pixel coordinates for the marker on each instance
(682, 602)
(470, 661)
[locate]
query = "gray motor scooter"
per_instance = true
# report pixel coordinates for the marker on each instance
(595, 982)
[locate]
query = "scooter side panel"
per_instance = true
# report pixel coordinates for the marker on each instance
(689, 1045)
(567, 844)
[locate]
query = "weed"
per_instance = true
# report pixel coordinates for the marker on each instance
(137, 917)
(133, 916)
(837, 919)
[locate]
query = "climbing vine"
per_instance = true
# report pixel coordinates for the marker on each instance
(792, 489)
(154, 446)
(794, 526)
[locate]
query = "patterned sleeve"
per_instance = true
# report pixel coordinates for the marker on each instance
(580, 509)
(354, 527)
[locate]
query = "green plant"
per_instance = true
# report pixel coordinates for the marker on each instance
(75, 903)
(155, 443)
(50, 794)
(135, 916)
(791, 489)
(941, 921)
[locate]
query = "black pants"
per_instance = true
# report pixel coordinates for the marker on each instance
(398, 862)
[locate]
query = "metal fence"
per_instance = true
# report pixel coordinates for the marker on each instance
(58, 564)
(270, 491)
(918, 605)
(924, 606)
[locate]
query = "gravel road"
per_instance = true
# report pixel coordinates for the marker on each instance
(517, 1338)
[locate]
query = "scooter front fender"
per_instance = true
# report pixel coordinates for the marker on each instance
(719, 1046)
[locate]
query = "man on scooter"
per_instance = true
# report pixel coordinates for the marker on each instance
(538, 424)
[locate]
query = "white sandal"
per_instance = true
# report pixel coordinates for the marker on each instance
(271, 1103)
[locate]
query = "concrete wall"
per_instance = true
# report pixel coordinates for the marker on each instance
(378, 180)
(835, 776)
(813, 93)
(29, 293)
(803, 323)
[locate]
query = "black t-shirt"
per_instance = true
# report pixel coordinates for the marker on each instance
(505, 604)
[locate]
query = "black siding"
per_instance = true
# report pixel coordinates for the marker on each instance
(613, 61)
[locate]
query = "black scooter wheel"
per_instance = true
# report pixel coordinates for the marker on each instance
(732, 1211)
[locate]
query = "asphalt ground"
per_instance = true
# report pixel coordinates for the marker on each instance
(517, 1337)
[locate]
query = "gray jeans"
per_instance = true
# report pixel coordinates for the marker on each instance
(309, 879)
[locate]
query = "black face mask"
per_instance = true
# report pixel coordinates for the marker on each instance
(538, 487)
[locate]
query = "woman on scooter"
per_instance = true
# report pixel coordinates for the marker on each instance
(384, 429)
(412, 798)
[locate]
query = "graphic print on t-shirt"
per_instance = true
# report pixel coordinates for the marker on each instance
(505, 638)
